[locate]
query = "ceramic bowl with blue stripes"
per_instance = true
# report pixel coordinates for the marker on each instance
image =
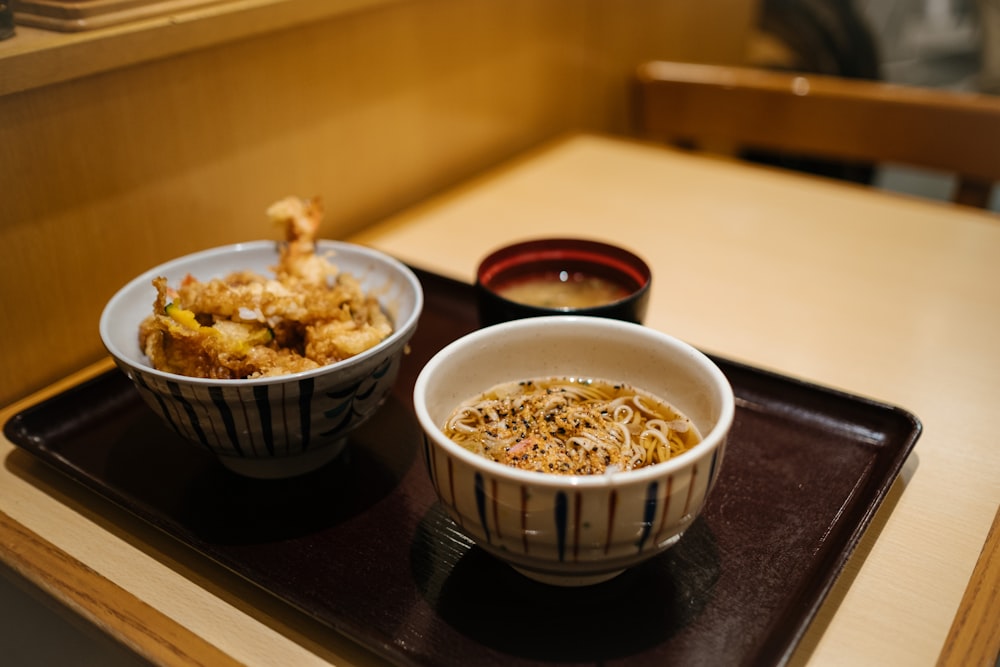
(573, 530)
(269, 427)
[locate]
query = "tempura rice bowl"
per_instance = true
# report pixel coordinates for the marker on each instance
(573, 530)
(268, 427)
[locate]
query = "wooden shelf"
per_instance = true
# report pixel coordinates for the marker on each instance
(36, 57)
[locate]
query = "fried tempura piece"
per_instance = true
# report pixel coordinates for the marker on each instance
(247, 325)
(335, 340)
(298, 259)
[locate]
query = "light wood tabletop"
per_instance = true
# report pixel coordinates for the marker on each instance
(879, 295)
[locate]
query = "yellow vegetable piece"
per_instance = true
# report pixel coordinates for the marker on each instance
(186, 318)
(182, 316)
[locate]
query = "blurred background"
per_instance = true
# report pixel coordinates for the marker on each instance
(950, 44)
(939, 43)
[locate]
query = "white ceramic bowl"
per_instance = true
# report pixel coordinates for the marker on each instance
(573, 530)
(275, 426)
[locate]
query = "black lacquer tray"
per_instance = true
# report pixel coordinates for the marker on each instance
(363, 547)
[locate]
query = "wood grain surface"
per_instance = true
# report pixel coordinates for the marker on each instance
(172, 136)
(881, 295)
(115, 611)
(974, 638)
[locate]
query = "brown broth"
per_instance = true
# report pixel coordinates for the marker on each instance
(571, 426)
(564, 290)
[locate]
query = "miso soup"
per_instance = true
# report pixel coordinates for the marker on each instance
(564, 290)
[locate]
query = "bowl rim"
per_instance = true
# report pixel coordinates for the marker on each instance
(711, 441)
(401, 332)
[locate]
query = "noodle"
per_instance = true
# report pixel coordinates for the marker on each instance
(571, 426)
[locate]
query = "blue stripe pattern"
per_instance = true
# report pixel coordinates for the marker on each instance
(712, 465)
(561, 513)
(382, 369)
(175, 391)
(264, 411)
(159, 401)
(648, 514)
(288, 418)
(227, 418)
(429, 460)
(305, 410)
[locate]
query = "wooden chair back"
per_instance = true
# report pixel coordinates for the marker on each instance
(720, 108)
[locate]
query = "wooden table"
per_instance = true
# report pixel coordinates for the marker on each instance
(880, 295)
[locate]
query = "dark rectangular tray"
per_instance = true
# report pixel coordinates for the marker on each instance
(362, 546)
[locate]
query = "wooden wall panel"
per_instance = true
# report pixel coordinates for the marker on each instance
(106, 175)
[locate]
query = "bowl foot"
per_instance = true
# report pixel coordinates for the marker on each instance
(285, 466)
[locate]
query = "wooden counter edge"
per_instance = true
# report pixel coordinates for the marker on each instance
(114, 610)
(974, 638)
